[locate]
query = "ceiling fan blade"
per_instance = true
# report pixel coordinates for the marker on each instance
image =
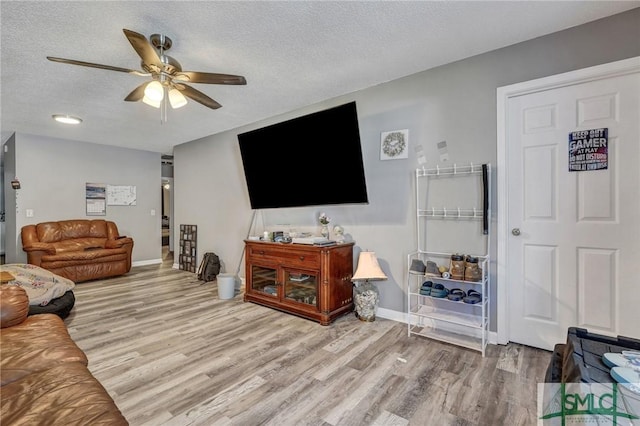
(197, 96)
(104, 67)
(137, 94)
(144, 49)
(210, 78)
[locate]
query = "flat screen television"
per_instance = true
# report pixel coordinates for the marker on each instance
(311, 160)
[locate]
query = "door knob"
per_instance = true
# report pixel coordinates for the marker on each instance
(515, 231)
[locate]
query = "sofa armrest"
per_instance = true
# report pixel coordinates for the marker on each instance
(45, 247)
(125, 243)
(120, 242)
(32, 245)
(14, 305)
(35, 251)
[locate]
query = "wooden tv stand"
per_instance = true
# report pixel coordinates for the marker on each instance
(308, 281)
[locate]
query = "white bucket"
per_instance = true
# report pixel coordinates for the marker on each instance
(226, 286)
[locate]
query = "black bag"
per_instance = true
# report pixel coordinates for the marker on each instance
(209, 267)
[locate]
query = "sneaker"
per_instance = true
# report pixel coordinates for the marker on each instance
(627, 377)
(626, 359)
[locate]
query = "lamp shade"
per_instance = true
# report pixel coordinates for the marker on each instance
(368, 268)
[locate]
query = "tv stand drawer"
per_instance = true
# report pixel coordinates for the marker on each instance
(285, 255)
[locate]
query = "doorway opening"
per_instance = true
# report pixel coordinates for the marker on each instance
(167, 202)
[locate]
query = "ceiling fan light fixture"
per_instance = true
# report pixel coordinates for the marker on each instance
(154, 91)
(166, 73)
(66, 119)
(151, 102)
(176, 99)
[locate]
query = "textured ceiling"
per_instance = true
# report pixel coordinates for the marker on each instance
(293, 54)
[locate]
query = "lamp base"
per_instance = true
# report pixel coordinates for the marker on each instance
(366, 297)
(367, 319)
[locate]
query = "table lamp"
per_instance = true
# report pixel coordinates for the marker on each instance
(366, 294)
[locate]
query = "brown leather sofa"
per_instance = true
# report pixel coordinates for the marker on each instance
(80, 250)
(44, 377)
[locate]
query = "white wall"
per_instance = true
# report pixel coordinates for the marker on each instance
(53, 174)
(455, 102)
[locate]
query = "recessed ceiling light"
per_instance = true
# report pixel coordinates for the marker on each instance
(66, 119)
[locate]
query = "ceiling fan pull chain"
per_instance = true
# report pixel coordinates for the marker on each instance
(163, 106)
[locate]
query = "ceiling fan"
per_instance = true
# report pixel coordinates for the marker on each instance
(168, 80)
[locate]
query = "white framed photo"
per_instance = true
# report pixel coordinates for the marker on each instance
(394, 145)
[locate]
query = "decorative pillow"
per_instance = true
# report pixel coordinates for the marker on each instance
(40, 284)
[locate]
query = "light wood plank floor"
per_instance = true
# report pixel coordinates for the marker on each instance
(171, 353)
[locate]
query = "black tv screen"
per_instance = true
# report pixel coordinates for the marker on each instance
(311, 160)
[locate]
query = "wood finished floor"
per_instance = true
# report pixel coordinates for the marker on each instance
(170, 352)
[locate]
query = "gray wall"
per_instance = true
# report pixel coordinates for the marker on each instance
(53, 174)
(455, 102)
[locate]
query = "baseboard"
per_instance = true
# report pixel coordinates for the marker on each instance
(391, 315)
(146, 262)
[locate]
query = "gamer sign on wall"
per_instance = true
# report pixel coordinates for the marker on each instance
(589, 150)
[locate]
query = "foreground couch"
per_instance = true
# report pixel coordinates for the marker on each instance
(80, 250)
(44, 377)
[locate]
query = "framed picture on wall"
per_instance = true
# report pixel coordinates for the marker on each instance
(394, 145)
(95, 196)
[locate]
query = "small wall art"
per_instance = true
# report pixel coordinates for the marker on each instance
(394, 145)
(121, 195)
(95, 195)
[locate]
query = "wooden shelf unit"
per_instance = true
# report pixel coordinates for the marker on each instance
(308, 281)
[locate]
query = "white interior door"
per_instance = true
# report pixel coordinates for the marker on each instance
(573, 238)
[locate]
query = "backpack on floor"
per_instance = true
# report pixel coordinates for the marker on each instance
(209, 267)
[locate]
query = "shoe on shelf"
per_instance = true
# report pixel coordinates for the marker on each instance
(417, 267)
(472, 297)
(439, 291)
(431, 269)
(627, 359)
(456, 295)
(425, 289)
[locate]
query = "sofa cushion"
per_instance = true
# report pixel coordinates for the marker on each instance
(79, 244)
(63, 395)
(51, 232)
(83, 257)
(39, 342)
